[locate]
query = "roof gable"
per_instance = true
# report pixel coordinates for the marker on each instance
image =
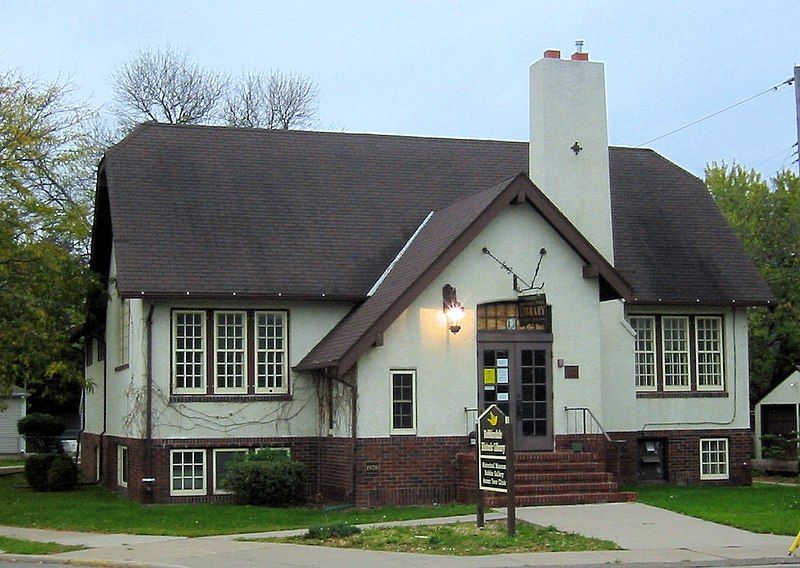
(446, 233)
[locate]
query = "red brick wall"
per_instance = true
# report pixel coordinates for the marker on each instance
(335, 471)
(683, 455)
(407, 470)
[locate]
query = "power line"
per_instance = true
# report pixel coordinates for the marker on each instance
(788, 81)
(783, 152)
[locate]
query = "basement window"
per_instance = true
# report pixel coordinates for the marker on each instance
(122, 466)
(713, 458)
(187, 474)
(221, 460)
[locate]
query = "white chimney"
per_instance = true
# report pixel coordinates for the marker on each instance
(569, 142)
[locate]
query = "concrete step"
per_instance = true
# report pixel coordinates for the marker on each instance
(563, 499)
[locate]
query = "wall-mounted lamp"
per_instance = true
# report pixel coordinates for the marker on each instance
(453, 309)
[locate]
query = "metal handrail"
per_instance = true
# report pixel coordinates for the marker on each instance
(586, 413)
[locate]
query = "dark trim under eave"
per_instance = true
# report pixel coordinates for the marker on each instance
(166, 296)
(700, 303)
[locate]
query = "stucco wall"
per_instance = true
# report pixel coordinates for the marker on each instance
(446, 362)
(623, 411)
(308, 323)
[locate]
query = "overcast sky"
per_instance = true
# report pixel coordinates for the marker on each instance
(458, 68)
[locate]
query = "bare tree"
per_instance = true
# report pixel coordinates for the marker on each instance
(165, 86)
(278, 100)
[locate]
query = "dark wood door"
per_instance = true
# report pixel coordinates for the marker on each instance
(517, 376)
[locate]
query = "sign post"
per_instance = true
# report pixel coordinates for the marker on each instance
(495, 446)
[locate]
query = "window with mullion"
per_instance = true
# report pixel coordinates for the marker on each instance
(708, 346)
(675, 352)
(714, 458)
(230, 352)
(270, 346)
(645, 352)
(403, 405)
(188, 352)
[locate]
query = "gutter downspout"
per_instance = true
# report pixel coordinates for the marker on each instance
(148, 452)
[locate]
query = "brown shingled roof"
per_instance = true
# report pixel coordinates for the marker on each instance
(214, 211)
(438, 242)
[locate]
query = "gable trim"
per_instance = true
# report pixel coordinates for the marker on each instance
(519, 189)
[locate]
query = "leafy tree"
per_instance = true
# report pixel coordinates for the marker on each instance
(47, 160)
(766, 216)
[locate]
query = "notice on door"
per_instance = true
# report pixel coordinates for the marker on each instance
(493, 430)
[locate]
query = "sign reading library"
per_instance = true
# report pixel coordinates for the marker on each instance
(492, 450)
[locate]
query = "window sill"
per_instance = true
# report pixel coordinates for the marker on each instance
(122, 367)
(229, 398)
(682, 394)
(403, 433)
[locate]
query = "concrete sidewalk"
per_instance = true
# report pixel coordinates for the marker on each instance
(648, 534)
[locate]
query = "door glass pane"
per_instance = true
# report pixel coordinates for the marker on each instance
(495, 380)
(533, 401)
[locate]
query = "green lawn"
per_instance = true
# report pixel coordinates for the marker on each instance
(95, 509)
(762, 508)
(11, 461)
(18, 546)
(462, 539)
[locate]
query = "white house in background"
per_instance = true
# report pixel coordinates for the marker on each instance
(12, 409)
(358, 298)
(778, 413)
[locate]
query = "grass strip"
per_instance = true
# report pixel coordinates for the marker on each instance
(95, 509)
(761, 508)
(460, 539)
(10, 545)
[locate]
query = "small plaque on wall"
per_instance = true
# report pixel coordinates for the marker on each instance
(571, 372)
(372, 466)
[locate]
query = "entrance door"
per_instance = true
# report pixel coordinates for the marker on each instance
(517, 376)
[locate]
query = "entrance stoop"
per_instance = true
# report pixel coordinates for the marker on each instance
(548, 478)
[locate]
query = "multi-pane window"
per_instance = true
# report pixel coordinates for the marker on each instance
(675, 347)
(230, 352)
(188, 351)
(122, 466)
(187, 472)
(221, 460)
(645, 352)
(708, 334)
(714, 458)
(124, 346)
(678, 352)
(403, 412)
(270, 352)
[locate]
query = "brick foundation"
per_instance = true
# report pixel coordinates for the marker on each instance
(407, 470)
(683, 455)
(399, 470)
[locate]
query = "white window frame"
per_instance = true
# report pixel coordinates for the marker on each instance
(284, 388)
(123, 466)
(413, 429)
(688, 385)
(124, 330)
(202, 389)
(715, 476)
(245, 351)
(653, 352)
(216, 490)
(188, 492)
(720, 352)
